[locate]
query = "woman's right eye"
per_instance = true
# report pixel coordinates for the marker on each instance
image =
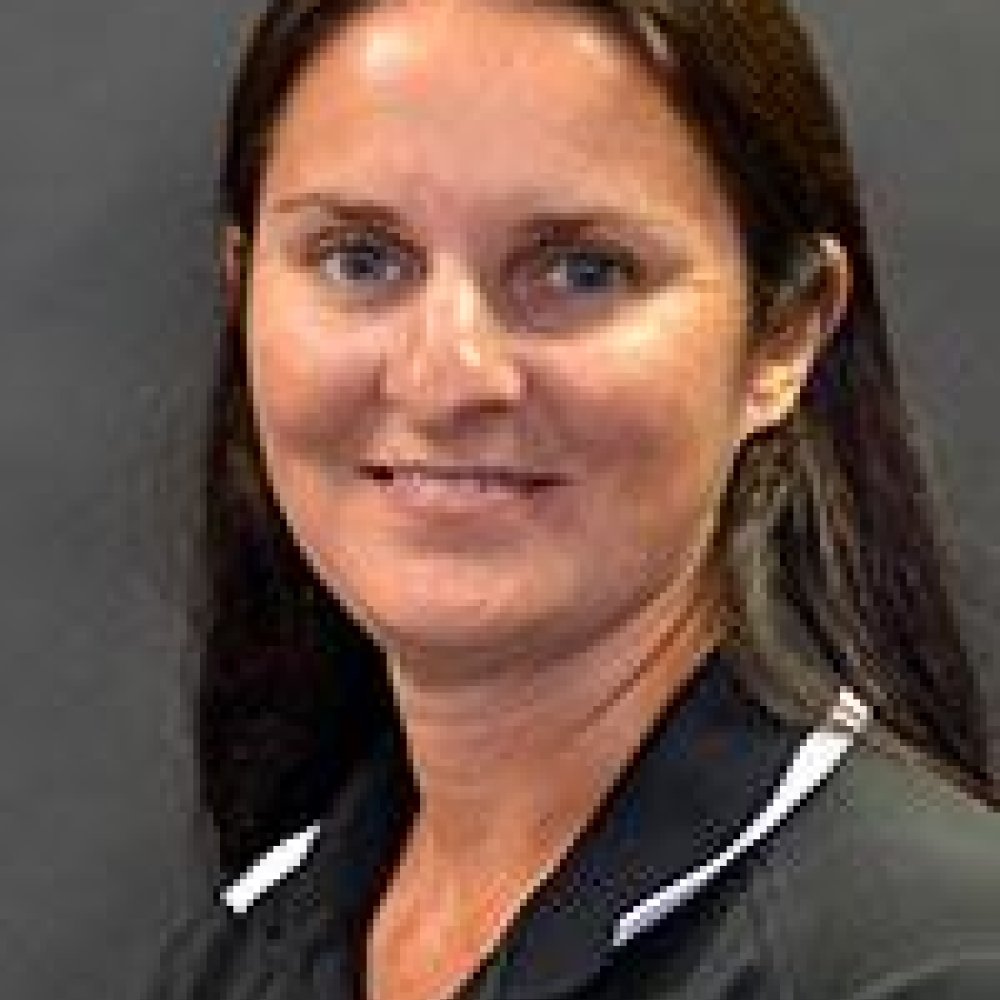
(362, 260)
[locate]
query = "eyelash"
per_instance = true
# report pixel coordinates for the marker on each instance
(322, 248)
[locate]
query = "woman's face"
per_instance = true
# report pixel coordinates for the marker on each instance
(404, 308)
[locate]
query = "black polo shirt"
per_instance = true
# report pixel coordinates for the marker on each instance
(880, 882)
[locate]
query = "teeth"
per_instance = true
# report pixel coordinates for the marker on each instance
(429, 485)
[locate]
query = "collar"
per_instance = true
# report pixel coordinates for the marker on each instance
(714, 773)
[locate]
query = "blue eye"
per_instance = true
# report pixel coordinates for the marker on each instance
(589, 265)
(363, 261)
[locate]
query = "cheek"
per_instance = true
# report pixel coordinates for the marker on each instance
(309, 373)
(655, 413)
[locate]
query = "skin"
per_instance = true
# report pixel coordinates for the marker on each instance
(559, 634)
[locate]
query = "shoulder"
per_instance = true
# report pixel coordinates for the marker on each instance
(884, 883)
(207, 952)
(290, 915)
(184, 949)
(230, 944)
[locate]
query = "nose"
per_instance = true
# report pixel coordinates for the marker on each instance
(453, 359)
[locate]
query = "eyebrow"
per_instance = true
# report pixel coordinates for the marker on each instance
(559, 220)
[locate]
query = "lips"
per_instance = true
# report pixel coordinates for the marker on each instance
(497, 474)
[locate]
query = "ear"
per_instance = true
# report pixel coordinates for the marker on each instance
(807, 319)
(231, 251)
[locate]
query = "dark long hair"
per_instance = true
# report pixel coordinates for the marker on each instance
(832, 564)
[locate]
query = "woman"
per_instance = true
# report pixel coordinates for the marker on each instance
(577, 625)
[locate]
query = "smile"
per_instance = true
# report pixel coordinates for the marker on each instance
(459, 495)
(479, 476)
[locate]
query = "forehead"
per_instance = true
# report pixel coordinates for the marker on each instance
(457, 104)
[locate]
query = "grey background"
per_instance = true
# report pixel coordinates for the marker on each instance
(109, 113)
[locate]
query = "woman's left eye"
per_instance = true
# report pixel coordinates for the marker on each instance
(583, 268)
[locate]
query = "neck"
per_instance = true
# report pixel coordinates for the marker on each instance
(511, 763)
